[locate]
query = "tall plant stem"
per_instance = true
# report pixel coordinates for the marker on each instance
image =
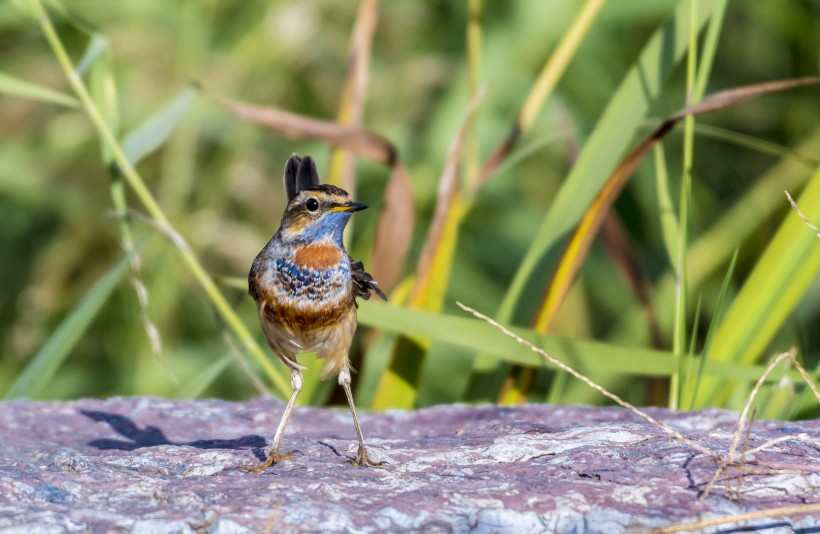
(152, 208)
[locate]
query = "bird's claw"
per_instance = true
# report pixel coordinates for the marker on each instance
(362, 460)
(273, 458)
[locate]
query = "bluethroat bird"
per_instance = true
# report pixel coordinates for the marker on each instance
(305, 286)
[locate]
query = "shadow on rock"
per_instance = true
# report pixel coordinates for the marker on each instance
(151, 436)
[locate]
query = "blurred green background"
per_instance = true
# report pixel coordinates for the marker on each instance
(219, 181)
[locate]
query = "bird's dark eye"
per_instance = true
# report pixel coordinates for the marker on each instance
(312, 204)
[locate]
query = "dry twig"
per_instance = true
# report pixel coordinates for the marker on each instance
(757, 514)
(732, 460)
(640, 413)
(806, 220)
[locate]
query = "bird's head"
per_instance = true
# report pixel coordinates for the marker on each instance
(314, 212)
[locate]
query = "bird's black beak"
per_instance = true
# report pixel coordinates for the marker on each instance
(350, 206)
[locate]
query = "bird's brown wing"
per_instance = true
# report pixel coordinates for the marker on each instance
(363, 283)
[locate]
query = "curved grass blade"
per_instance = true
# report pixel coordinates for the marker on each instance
(713, 249)
(204, 379)
(17, 87)
(591, 221)
(95, 49)
(762, 146)
(44, 365)
(716, 319)
(154, 131)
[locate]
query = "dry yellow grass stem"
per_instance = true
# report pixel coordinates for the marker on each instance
(640, 413)
(801, 214)
(758, 514)
(732, 459)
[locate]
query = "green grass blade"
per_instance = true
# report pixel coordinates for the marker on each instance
(713, 249)
(96, 48)
(585, 356)
(669, 219)
(709, 48)
(681, 286)
(716, 318)
(151, 134)
(17, 87)
(686, 370)
(599, 157)
(756, 144)
(42, 367)
(103, 90)
(204, 379)
(772, 290)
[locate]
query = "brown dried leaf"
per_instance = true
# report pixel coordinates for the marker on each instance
(359, 141)
(394, 230)
(398, 216)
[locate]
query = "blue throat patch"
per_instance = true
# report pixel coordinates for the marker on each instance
(331, 225)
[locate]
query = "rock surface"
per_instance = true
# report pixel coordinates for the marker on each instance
(159, 466)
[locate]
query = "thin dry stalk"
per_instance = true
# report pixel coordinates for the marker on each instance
(172, 235)
(269, 527)
(715, 478)
(732, 459)
(806, 220)
(809, 381)
(142, 299)
(725, 462)
(772, 442)
(148, 325)
(351, 107)
(640, 413)
(792, 468)
(742, 466)
(802, 509)
(741, 422)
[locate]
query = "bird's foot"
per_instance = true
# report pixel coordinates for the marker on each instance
(273, 458)
(362, 460)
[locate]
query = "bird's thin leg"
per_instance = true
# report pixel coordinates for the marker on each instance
(362, 460)
(275, 455)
